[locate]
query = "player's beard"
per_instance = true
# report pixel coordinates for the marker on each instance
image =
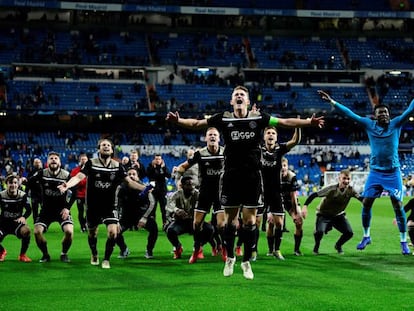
(104, 156)
(54, 168)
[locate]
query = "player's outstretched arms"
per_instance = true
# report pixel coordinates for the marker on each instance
(174, 117)
(293, 122)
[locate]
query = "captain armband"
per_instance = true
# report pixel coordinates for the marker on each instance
(273, 121)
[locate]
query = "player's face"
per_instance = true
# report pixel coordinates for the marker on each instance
(83, 160)
(187, 186)
(133, 175)
(12, 186)
(125, 160)
(158, 160)
(285, 167)
(105, 148)
(53, 162)
(240, 99)
(133, 157)
(212, 137)
(270, 136)
(382, 115)
(344, 180)
(37, 163)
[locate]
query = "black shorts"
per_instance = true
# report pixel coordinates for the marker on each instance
(47, 216)
(206, 200)
(97, 216)
(241, 188)
(9, 226)
(274, 204)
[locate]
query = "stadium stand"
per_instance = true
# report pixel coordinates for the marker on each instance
(94, 67)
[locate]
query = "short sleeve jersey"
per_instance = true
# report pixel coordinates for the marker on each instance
(271, 166)
(210, 167)
(12, 207)
(51, 196)
(242, 138)
(288, 184)
(102, 180)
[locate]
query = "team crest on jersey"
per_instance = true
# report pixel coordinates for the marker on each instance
(252, 124)
(112, 177)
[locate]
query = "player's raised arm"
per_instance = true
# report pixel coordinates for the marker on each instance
(326, 97)
(71, 182)
(294, 122)
(174, 117)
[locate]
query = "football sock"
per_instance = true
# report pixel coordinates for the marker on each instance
(109, 248)
(92, 241)
(366, 220)
(249, 238)
(25, 244)
(229, 237)
(278, 238)
(298, 240)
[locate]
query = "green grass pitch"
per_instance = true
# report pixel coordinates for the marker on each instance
(378, 278)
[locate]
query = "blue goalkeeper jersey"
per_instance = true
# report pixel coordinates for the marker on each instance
(383, 141)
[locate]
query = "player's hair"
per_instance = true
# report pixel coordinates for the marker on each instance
(105, 139)
(133, 168)
(212, 128)
(284, 159)
(53, 153)
(186, 178)
(241, 87)
(345, 172)
(382, 106)
(11, 177)
(270, 128)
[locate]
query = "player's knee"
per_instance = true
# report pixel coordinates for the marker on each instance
(25, 232)
(38, 230)
(410, 227)
(230, 228)
(349, 234)
(249, 227)
(197, 226)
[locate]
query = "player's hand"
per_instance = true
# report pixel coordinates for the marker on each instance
(325, 96)
(304, 211)
(317, 121)
(172, 117)
(142, 222)
(255, 108)
(21, 220)
(181, 214)
(65, 213)
(270, 219)
(63, 187)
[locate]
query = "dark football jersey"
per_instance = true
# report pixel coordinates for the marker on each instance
(210, 167)
(242, 138)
